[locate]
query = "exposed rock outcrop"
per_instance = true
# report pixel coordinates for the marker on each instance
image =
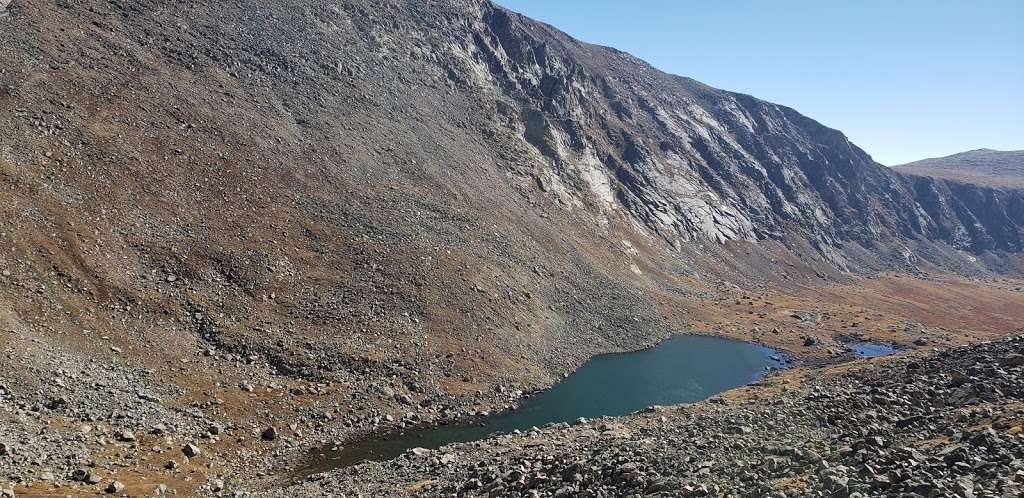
(688, 161)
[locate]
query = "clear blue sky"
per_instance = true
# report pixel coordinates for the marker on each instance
(904, 79)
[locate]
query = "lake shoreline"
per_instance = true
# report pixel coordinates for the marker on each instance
(482, 427)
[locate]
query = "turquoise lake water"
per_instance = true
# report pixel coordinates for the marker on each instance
(680, 370)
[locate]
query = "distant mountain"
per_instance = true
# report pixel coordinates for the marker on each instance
(981, 166)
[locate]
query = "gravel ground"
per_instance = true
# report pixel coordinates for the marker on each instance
(945, 424)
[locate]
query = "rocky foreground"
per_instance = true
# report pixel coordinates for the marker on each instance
(947, 424)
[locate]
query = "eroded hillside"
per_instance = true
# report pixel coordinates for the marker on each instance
(331, 214)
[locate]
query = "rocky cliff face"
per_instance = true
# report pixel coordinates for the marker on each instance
(970, 216)
(589, 128)
(687, 161)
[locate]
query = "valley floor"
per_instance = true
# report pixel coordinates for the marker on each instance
(82, 409)
(949, 423)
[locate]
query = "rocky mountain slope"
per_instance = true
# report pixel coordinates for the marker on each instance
(981, 166)
(397, 168)
(219, 217)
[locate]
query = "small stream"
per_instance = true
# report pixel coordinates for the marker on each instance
(682, 369)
